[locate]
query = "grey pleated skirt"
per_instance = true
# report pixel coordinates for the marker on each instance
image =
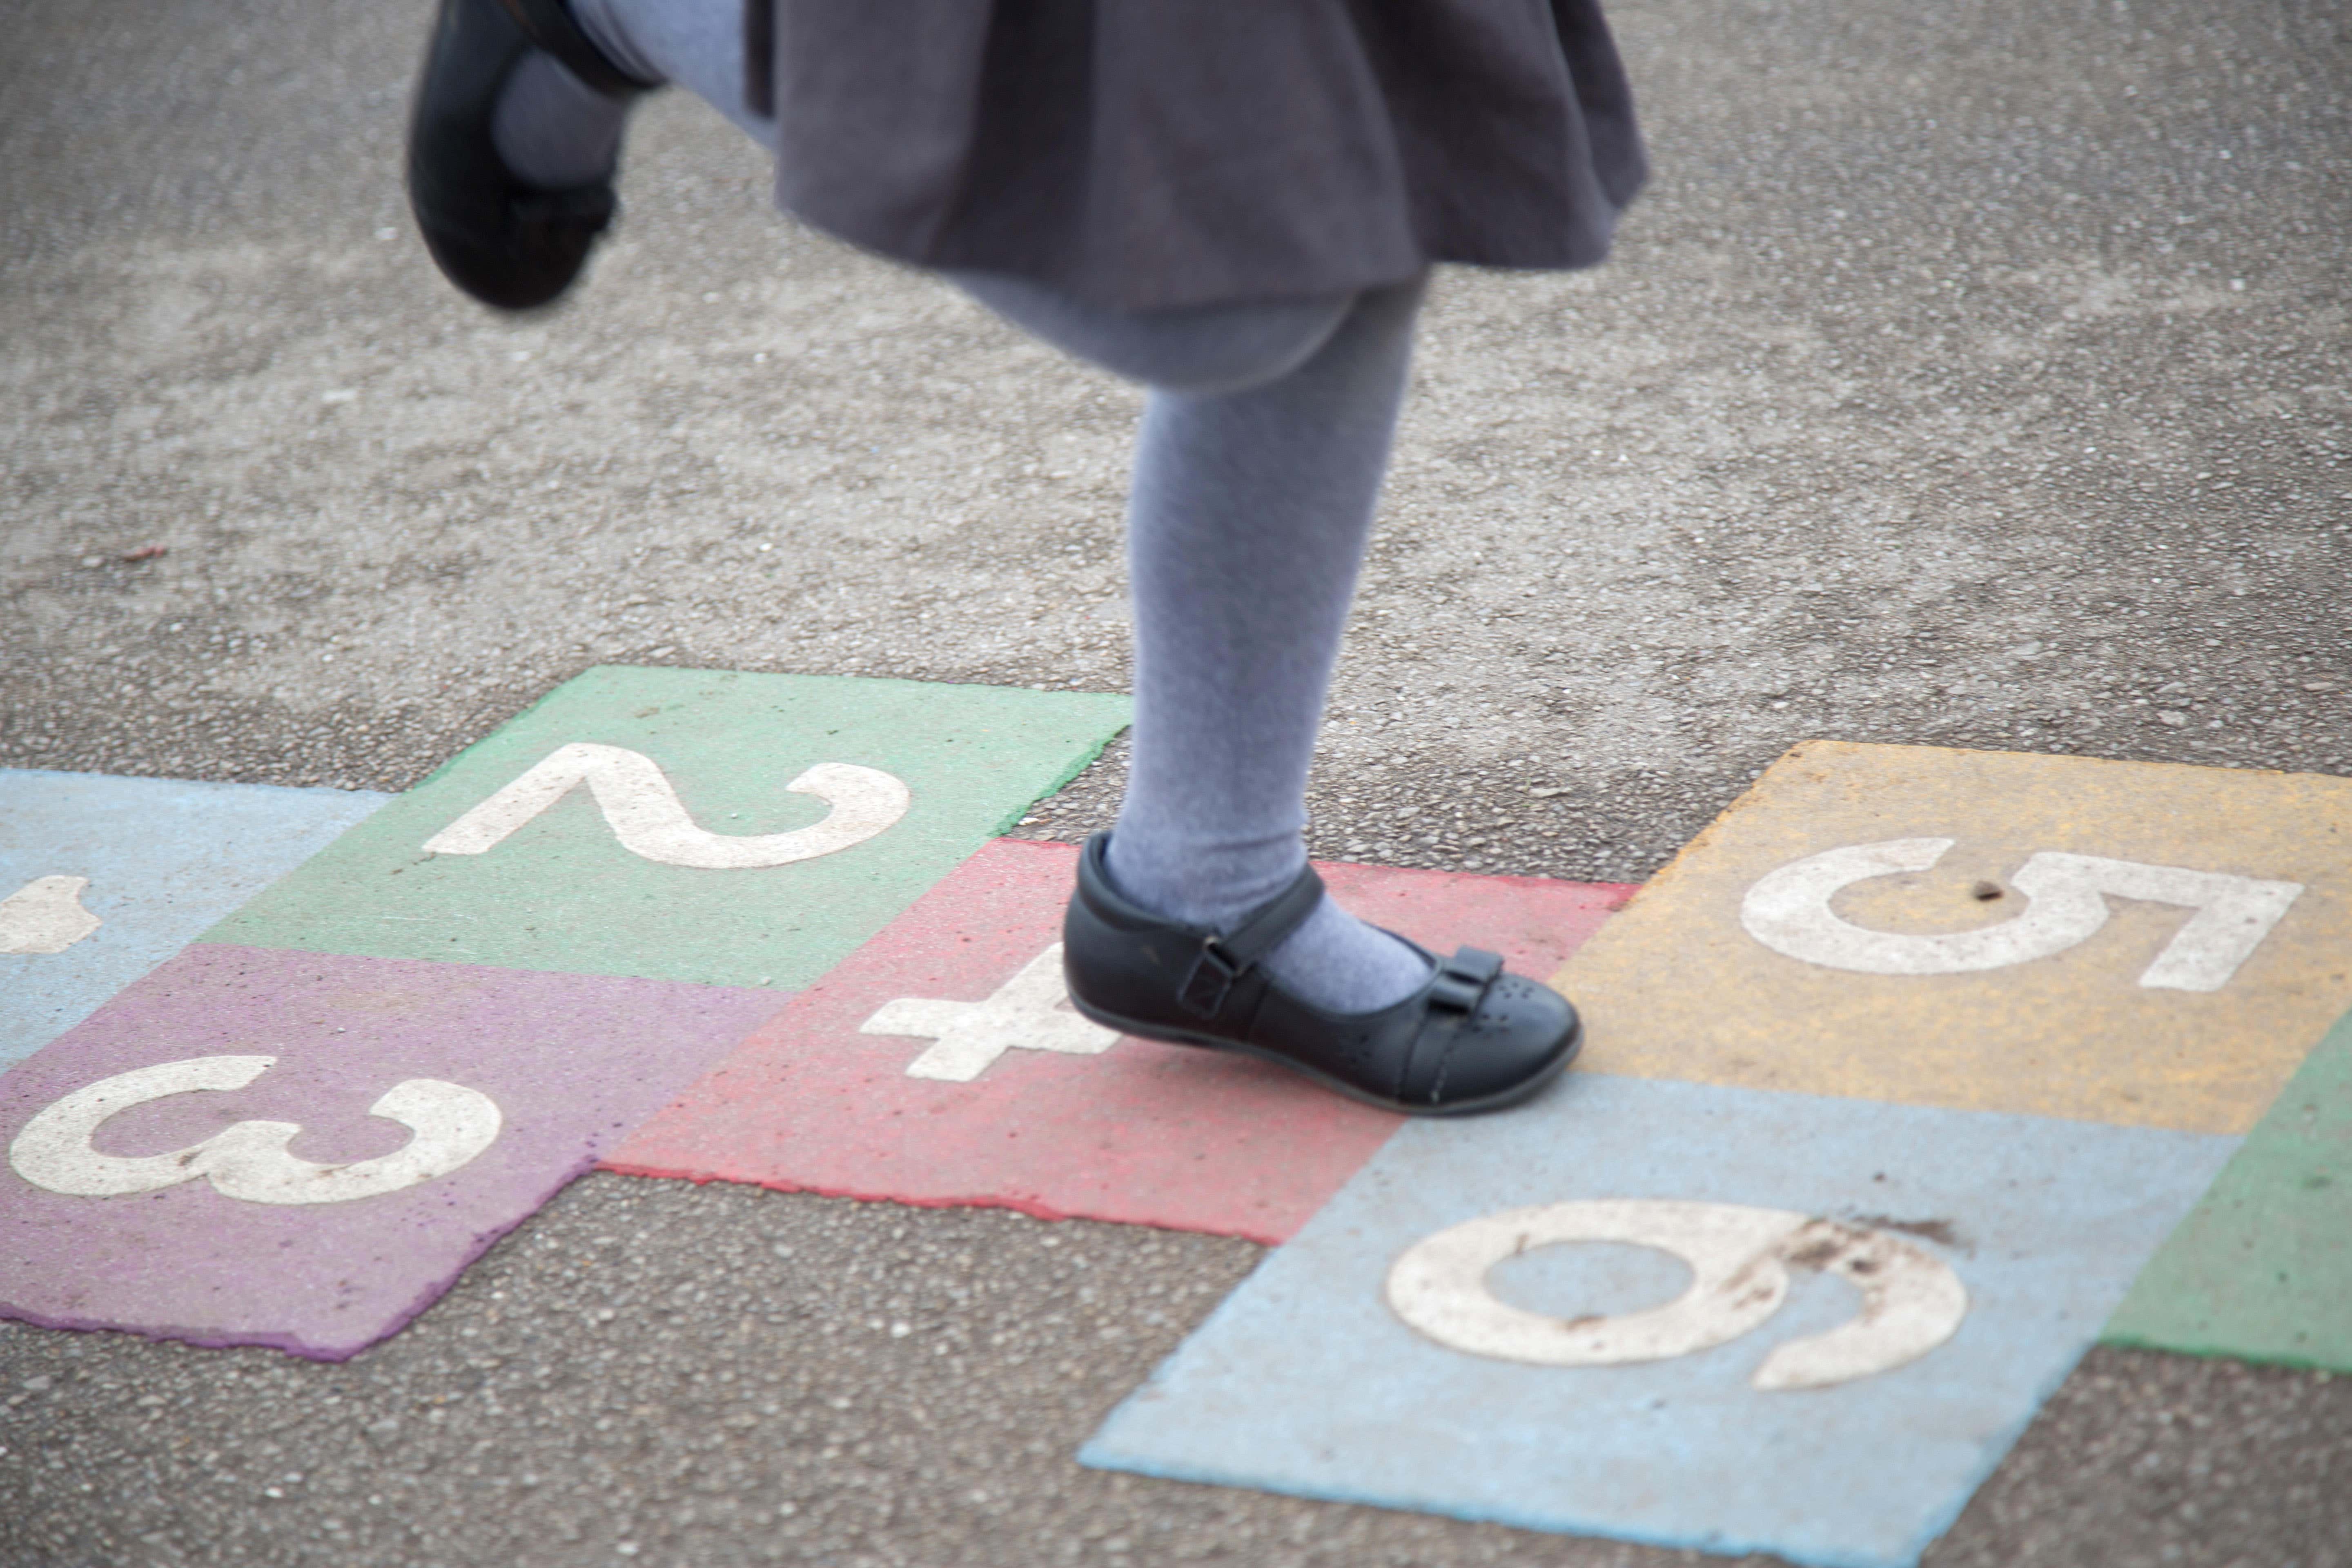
(1147, 154)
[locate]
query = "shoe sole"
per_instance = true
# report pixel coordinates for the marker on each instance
(1502, 1100)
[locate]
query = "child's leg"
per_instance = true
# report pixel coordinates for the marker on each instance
(1252, 501)
(1200, 353)
(1260, 460)
(1246, 527)
(696, 44)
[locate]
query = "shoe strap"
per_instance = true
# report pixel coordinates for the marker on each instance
(760, 57)
(1455, 993)
(550, 27)
(1227, 956)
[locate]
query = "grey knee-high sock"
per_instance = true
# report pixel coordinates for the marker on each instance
(553, 130)
(1247, 523)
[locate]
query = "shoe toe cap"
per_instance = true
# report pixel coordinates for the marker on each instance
(522, 274)
(1522, 1032)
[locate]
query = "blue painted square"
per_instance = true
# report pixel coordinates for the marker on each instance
(1306, 1381)
(163, 858)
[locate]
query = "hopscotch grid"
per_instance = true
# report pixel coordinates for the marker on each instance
(2229, 916)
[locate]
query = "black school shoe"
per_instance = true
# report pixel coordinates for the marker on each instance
(1472, 1039)
(506, 243)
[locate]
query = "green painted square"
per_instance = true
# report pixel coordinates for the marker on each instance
(2261, 1270)
(560, 892)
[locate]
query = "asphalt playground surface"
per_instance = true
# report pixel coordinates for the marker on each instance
(1973, 376)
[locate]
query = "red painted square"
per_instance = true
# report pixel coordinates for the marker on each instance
(1142, 1133)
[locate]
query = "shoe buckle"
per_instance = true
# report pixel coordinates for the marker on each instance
(1211, 981)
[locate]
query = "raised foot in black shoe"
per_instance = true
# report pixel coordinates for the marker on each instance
(1472, 1039)
(506, 243)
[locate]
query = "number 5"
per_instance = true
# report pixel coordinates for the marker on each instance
(1788, 911)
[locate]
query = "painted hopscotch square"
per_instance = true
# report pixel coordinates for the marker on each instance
(686, 825)
(103, 878)
(2261, 1270)
(2140, 944)
(1037, 1110)
(1307, 1380)
(526, 1080)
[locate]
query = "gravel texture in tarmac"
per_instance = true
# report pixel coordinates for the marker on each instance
(1972, 375)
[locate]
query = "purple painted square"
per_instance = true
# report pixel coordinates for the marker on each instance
(572, 1064)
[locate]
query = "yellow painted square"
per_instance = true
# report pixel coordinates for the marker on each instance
(1676, 985)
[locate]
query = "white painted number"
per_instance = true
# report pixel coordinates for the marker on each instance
(451, 1122)
(1788, 911)
(1739, 1258)
(1030, 1012)
(44, 915)
(646, 814)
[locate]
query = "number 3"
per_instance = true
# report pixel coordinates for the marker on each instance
(451, 1122)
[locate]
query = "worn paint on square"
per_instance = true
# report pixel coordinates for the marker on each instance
(821, 1099)
(555, 1069)
(1307, 1380)
(684, 851)
(158, 860)
(2107, 1027)
(2261, 1269)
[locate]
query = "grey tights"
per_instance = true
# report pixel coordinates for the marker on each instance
(1264, 442)
(1265, 438)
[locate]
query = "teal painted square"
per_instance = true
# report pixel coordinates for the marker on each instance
(1306, 1381)
(2263, 1269)
(163, 858)
(561, 891)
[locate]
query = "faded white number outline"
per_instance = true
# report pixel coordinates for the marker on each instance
(248, 1161)
(45, 916)
(1030, 1012)
(1740, 1259)
(1788, 911)
(646, 814)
